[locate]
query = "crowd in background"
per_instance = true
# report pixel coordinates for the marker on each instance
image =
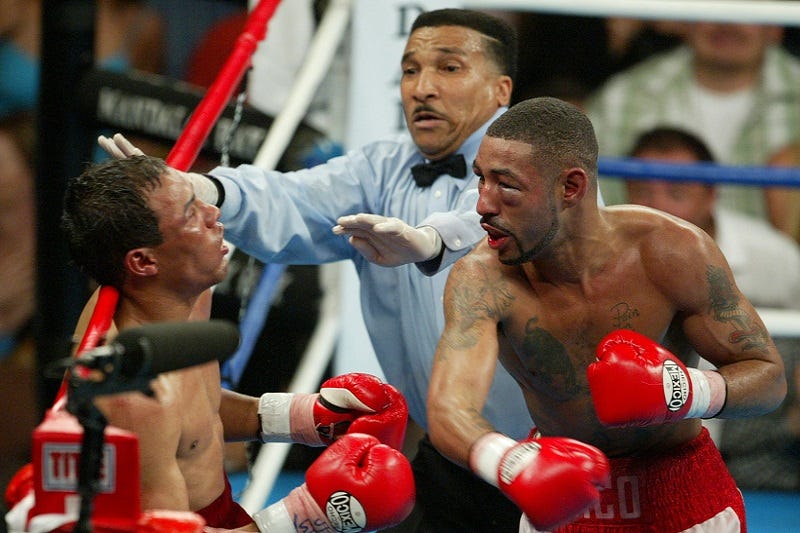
(736, 88)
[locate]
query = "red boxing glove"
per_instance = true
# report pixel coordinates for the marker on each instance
(637, 382)
(354, 402)
(357, 484)
(553, 480)
(387, 424)
(20, 486)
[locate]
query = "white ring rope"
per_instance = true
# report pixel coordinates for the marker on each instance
(780, 322)
(319, 57)
(784, 13)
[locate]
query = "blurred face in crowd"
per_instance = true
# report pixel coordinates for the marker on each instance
(731, 47)
(691, 201)
(449, 87)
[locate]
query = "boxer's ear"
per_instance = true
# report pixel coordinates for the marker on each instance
(141, 262)
(574, 185)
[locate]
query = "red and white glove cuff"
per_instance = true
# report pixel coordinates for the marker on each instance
(297, 510)
(709, 392)
(17, 518)
(486, 453)
(343, 398)
(288, 417)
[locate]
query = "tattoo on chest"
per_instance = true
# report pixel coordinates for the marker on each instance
(622, 314)
(547, 360)
(725, 308)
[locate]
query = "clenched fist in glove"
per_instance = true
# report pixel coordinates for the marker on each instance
(349, 403)
(553, 480)
(637, 382)
(357, 484)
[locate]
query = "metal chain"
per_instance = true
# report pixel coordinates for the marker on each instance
(237, 119)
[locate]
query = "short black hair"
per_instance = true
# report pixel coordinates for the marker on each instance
(559, 133)
(501, 42)
(106, 214)
(671, 138)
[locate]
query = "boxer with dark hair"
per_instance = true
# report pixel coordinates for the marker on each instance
(137, 225)
(583, 305)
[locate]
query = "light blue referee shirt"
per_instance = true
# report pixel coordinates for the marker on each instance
(287, 218)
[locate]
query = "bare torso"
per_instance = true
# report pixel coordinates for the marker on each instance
(183, 424)
(549, 330)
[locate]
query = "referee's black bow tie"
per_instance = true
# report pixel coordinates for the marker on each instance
(425, 173)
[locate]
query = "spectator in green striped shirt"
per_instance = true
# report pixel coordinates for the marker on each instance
(733, 85)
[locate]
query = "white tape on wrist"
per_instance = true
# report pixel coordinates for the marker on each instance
(297, 511)
(486, 453)
(708, 393)
(274, 519)
(273, 411)
(288, 417)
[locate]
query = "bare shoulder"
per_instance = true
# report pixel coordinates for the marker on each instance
(481, 269)
(677, 256)
(480, 262)
(658, 233)
(479, 285)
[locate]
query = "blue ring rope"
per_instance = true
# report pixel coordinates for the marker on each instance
(255, 316)
(701, 171)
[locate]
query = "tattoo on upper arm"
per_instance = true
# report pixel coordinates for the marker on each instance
(473, 302)
(725, 308)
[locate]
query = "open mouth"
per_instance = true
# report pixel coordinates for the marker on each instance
(426, 119)
(496, 238)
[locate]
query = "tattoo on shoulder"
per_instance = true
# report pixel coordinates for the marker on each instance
(480, 299)
(725, 308)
